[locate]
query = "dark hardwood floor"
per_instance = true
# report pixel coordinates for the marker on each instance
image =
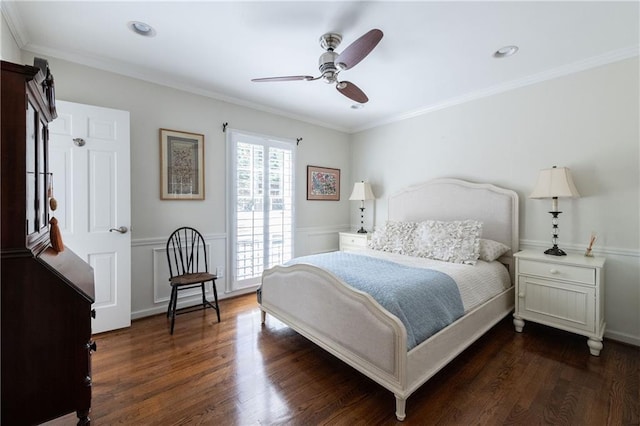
(238, 372)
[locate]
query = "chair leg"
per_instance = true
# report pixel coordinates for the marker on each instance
(170, 301)
(174, 304)
(215, 298)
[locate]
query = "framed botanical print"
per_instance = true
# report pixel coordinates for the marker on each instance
(323, 183)
(181, 165)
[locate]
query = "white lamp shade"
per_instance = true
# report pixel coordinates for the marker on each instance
(362, 191)
(554, 182)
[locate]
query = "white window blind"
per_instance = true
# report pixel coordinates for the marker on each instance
(261, 205)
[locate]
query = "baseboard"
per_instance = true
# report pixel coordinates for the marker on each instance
(156, 310)
(622, 337)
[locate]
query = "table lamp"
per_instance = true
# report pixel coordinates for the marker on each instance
(554, 183)
(361, 192)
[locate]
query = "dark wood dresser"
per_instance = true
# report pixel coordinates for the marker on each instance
(46, 295)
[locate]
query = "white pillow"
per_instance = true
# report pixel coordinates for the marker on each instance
(492, 250)
(457, 241)
(394, 237)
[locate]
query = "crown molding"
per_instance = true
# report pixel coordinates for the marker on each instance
(575, 67)
(12, 17)
(151, 76)
(16, 27)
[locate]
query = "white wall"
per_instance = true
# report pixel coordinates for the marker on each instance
(9, 50)
(153, 107)
(587, 121)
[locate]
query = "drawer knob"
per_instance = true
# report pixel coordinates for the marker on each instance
(554, 271)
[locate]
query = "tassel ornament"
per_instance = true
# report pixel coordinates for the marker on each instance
(55, 236)
(53, 203)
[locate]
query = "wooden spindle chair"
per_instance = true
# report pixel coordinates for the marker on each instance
(189, 268)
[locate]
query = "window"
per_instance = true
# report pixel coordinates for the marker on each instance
(261, 205)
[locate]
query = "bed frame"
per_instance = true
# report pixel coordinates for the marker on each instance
(318, 305)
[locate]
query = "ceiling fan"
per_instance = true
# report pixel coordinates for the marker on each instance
(332, 63)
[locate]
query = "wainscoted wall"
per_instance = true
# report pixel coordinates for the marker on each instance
(317, 239)
(150, 290)
(587, 121)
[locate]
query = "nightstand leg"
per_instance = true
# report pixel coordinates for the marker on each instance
(595, 346)
(518, 323)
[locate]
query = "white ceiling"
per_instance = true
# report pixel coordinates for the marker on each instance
(433, 54)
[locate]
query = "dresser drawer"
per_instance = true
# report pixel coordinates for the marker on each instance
(557, 272)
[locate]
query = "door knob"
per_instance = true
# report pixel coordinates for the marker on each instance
(122, 229)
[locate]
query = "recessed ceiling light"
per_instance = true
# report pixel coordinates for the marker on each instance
(503, 52)
(141, 28)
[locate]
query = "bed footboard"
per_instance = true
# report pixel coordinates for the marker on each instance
(344, 321)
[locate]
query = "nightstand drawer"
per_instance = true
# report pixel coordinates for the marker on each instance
(352, 241)
(556, 271)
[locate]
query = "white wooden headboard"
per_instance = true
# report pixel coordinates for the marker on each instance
(455, 199)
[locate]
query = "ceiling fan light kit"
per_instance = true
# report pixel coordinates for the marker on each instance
(331, 63)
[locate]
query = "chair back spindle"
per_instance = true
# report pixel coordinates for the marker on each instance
(186, 252)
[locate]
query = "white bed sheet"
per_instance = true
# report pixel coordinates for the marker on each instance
(476, 283)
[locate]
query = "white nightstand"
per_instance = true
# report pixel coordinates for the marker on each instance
(353, 241)
(566, 292)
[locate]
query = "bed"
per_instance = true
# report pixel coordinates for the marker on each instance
(318, 304)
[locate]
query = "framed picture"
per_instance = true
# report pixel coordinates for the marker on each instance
(323, 183)
(181, 165)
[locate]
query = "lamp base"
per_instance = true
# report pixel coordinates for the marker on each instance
(362, 231)
(555, 251)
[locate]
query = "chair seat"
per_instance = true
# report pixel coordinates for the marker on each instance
(194, 278)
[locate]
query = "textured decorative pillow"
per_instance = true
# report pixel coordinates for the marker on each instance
(456, 241)
(492, 250)
(394, 237)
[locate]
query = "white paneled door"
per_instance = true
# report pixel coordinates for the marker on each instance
(90, 162)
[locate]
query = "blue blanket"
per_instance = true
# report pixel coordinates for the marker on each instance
(424, 300)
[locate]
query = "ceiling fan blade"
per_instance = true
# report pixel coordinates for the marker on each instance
(285, 78)
(352, 91)
(359, 49)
